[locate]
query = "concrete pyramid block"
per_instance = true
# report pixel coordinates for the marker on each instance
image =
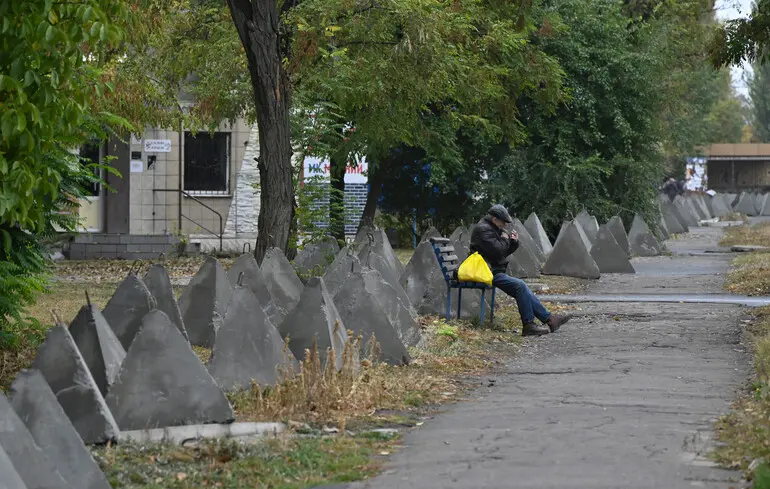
(589, 224)
(70, 379)
(765, 210)
(360, 308)
(204, 302)
(609, 256)
(643, 242)
(432, 232)
(100, 348)
(315, 319)
(397, 307)
(719, 207)
(663, 229)
(9, 478)
(673, 218)
(686, 212)
(315, 258)
(159, 284)
(32, 465)
(381, 245)
(253, 279)
(700, 200)
(37, 407)
(126, 308)
(525, 239)
(371, 259)
(536, 230)
(700, 213)
(459, 230)
(163, 383)
(248, 346)
(426, 288)
(525, 262)
(583, 236)
(746, 205)
(346, 263)
(618, 230)
(282, 282)
(570, 256)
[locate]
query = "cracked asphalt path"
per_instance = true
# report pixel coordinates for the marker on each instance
(624, 396)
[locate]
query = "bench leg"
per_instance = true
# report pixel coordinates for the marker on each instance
(481, 314)
(448, 303)
(459, 301)
(492, 312)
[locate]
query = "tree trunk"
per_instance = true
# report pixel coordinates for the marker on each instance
(337, 166)
(258, 25)
(376, 179)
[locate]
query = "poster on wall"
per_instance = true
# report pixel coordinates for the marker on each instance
(355, 172)
(695, 174)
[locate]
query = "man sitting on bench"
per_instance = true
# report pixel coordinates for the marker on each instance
(495, 245)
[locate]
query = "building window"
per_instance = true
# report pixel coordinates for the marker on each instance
(207, 163)
(90, 155)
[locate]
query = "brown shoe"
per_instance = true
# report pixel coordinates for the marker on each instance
(534, 329)
(556, 320)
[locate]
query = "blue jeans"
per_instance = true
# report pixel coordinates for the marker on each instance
(529, 305)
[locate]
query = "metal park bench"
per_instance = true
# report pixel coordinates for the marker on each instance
(449, 263)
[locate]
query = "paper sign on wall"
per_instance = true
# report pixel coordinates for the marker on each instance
(157, 145)
(137, 166)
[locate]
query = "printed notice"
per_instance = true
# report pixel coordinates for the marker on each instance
(157, 145)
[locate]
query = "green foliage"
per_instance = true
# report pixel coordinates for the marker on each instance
(49, 77)
(743, 39)
(759, 91)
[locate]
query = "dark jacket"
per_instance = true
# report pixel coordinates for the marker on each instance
(487, 239)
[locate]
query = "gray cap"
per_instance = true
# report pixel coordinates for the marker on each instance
(500, 212)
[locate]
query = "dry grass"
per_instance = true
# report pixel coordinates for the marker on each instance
(745, 432)
(360, 389)
(734, 216)
(96, 271)
(758, 234)
(750, 275)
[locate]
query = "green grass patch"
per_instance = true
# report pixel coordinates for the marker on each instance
(285, 463)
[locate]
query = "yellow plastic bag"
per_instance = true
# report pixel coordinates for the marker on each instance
(475, 269)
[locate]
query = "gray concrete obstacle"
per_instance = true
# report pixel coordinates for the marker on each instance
(745, 205)
(163, 382)
(763, 209)
(31, 464)
(159, 284)
(673, 218)
(609, 256)
(540, 237)
(570, 256)
(315, 258)
(347, 262)
(641, 239)
(525, 239)
(686, 212)
(457, 233)
(371, 259)
(700, 213)
(126, 308)
(583, 236)
(589, 224)
(98, 344)
(397, 306)
(315, 320)
(204, 302)
(718, 206)
(253, 279)
(361, 310)
(380, 245)
(524, 262)
(248, 346)
(66, 372)
(662, 229)
(618, 230)
(701, 201)
(426, 288)
(10, 479)
(37, 407)
(282, 282)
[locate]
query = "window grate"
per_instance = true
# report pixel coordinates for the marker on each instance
(207, 163)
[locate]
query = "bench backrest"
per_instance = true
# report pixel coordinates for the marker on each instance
(447, 259)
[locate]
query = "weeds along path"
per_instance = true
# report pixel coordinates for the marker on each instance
(624, 396)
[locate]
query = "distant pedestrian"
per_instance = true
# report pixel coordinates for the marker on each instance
(490, 240)
(670, 189)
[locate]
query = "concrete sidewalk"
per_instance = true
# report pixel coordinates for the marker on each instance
(624, 396)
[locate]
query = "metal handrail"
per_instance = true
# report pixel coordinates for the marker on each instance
(186, 194)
